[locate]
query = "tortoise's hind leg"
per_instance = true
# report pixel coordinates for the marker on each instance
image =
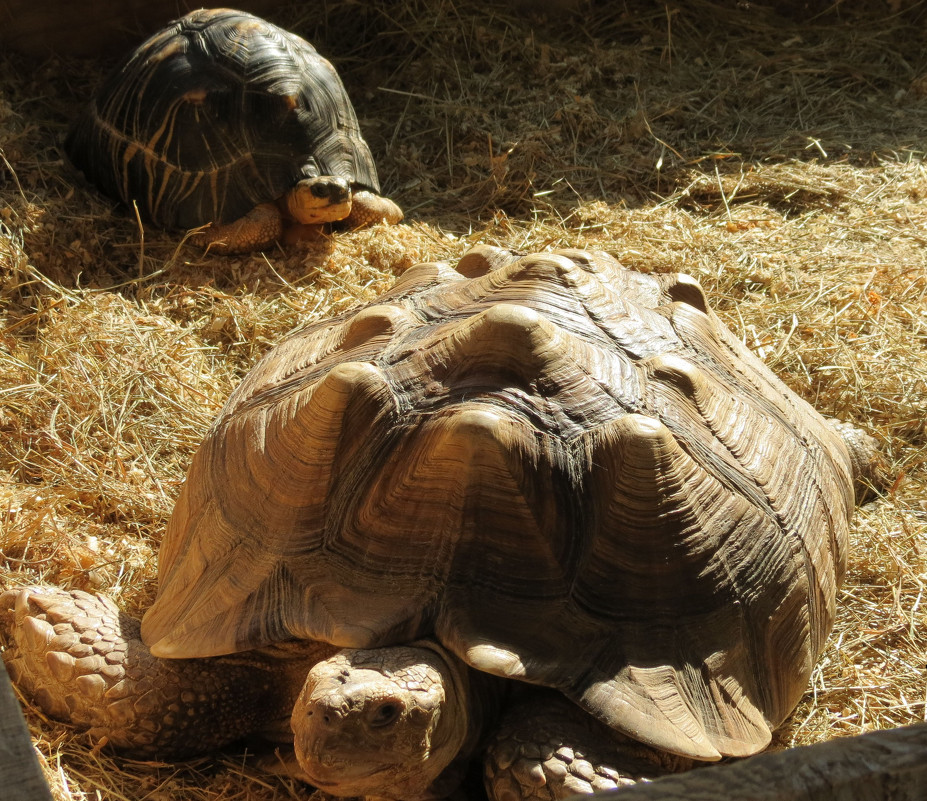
(81, 660)
(870, 467)
(547, 748)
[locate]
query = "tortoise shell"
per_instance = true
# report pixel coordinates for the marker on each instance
(571, 474)
(216, 113)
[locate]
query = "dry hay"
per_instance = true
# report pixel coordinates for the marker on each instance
(780, 162)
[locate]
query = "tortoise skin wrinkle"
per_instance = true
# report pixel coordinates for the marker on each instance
(214, 115)
(568, 473)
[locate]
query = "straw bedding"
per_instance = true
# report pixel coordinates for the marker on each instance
(774, 153)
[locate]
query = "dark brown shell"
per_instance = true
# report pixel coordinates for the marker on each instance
(215, 114)
(570, 473)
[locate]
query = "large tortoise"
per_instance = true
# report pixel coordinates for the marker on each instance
(558, 471)
(224, 119)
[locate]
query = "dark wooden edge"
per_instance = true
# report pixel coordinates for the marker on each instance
(889, 765)
(21, 776)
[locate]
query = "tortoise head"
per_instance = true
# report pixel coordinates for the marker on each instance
(324, 199)
(385, 722)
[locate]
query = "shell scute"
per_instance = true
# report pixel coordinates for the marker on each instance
(569, 474)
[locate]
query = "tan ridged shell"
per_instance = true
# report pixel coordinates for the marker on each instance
(570, 473)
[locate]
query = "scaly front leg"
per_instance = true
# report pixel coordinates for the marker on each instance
(82, 661)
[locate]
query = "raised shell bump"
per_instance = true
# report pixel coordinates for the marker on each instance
(678, 371)
(682, 288)
(375, 322)
(421, 276)
(483, 259)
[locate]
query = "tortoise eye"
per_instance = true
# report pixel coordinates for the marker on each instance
(385, 714)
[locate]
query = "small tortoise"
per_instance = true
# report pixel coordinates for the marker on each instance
(555, 470)
(222, 118)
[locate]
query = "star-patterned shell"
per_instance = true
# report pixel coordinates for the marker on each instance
(569, 473)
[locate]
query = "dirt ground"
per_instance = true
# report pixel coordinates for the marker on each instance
(773, 153)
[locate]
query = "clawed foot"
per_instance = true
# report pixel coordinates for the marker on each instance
(547, 749)
(82, 661)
